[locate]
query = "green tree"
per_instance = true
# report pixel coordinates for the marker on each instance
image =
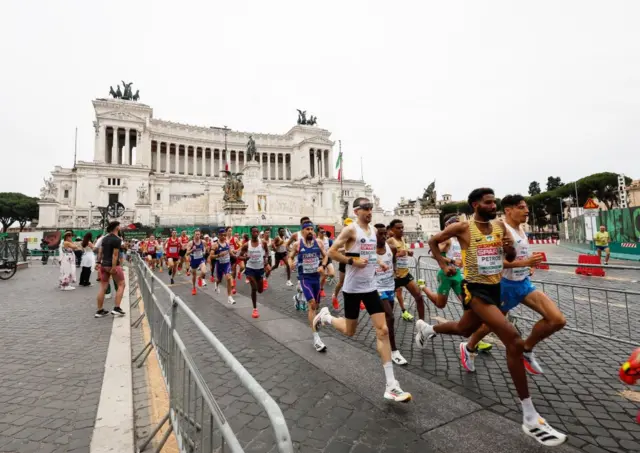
(553, 183)
(17, 207)
(534, 188)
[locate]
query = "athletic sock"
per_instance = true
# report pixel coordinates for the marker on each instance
(388, 374)
(316, 337)
(529, 412)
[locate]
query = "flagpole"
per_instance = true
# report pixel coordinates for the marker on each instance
(75, 149)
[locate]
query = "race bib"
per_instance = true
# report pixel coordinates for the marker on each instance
(197, 254)
(151, 248)
(173, 250)
(489, 259)
(402, 262)
(521, 272)
(385, 279)
(310, 263)
(368, 252)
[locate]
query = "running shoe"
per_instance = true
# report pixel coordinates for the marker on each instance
(395, 393)
(289, 283)
(160, 270)
(101, 313)
(255, 313)
(543, 433)
(212, 279)
(188, 274)
(67, 288)
(296, 301)
(322, 317)
(322, 293)
(172, 282)
(265, 285)
(336, 302)
(246, 280)
(425, 331)
(217, 288)
(117, 311)
(407, 316)
(233, 290)
(319, 345)
(484, 347)
(362, 307)
(169, 271)
(397, 358)
(231, 300)
(531, 364)
(107, 296)
(199, 282)
(194, 292)
(467, 358)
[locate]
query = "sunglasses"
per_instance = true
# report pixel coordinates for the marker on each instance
(366, 206)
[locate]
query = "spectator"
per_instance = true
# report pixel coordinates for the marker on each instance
(67, 260)
(88, 259)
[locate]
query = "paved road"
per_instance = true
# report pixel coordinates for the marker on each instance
(52, 355)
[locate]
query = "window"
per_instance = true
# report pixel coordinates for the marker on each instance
(66, 193)
(113, 181)
(113, 198)
(158, 196)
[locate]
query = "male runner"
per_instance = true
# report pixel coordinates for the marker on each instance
(172, 247)
(312, 260)
(359, 240)
(212, 260)
(159, 253)
(342, 268)
(516, 288)
(255, 251)
(298, 298)
(184, 241)
(485, 243)
(404, 279)
(151, 248)
(266, 237)
(109, 267)
(329, 271)
(220, 253)
(385, 284)
(280, 249)
(601, 239)
(196, 251)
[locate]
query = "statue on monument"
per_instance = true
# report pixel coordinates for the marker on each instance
(136, 96)
(142, 194)
(128, 92)
(429, 195)
(252, 152)
(48, 192)
(118, 93)
(233, 187)
(302, 118)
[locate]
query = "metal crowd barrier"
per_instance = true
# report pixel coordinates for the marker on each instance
(13, 251)
(598, 311)
(197, 420)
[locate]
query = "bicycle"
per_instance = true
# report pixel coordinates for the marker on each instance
(7, 269)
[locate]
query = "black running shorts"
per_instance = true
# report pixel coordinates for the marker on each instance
(182, 253)
(489, 294)
(404, 281)
(371, 301)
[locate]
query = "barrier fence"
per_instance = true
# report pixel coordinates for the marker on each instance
(598, 311)
(13, 251)
(196, 418)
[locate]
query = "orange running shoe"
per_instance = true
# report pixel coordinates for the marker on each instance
(194, 292)
(212, 279)
(322, 293)
(336, 302)
(265, 285)
(362, 307)
(255, 313)
(200, 282)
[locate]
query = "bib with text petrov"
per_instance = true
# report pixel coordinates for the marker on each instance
(489, 258)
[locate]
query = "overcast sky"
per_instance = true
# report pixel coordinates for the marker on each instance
(475, 93)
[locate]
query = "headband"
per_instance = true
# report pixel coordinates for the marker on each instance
(307, 225)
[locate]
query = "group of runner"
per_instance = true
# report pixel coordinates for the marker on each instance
(485, 262)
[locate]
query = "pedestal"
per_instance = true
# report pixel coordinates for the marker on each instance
(430, 221)
(234, 212)
(48, 213)
(143, 214)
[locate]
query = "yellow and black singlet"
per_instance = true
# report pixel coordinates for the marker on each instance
(483, 257)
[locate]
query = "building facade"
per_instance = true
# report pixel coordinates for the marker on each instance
(168, 173)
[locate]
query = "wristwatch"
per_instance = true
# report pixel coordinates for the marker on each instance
(350, 262)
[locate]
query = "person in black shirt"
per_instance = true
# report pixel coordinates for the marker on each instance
(109, 267)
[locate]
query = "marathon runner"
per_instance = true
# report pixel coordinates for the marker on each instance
(266, 237)
(280, 250)
(184, 241)
(172, 247)
(359, 240)
(151, 246)
(516, 288)
(330, 271)
(404, 279)
(485, 243)
(385, 283)
(212, 260)
(342, 268)
(311, 261)
(255, 251)
(196, 250)
(159, 253)
(221, 254)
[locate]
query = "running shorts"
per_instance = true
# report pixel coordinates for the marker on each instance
(489, 294)
(446, 283)
(387, 295)
(311, 288)
(182, 253)
(512, 293)
(197, 262)
(402, 282)
(173, 256)
(280, 256)
(222, 270)
(602, 247)
(151, 254)
(371, 301)
(158, 255)
(255, 273)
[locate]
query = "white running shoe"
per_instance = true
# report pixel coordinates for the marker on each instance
(289, 283)
(231, 300)
(321, 317)
(319, 345)
(107, 296)
(467, 358)
(397, 358)
(395, 393)
(68, 288)
(543, 433)
(204, 282)
(530, 363)
(217, 288)
(425, 331)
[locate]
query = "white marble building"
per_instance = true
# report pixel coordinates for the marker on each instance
(168, 173)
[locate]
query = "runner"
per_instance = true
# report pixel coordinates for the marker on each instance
(255, 251)
(359, 241)
(280, 249)
(299, 301)
(312, 260)
(330, 271)
(404, 279)
(266, 237)
(485, 242)
(159, 253)
(516, 288)
(151, 247)
(220, 254)
(212, 260)
(342, 268)
(172, 247)
(601, 239)
(385, 284)
(196, 251)
(234, 245)
(184, 241)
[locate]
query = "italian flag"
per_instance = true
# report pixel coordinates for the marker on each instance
(339, 166)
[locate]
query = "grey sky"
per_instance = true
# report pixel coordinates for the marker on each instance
(471, 93)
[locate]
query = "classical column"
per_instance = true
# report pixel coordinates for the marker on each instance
(102, 144)
(125, 153)
(268, 166)
(158, 146)
(169, 169)
(278, 169)
(331, 164)
(114, 146)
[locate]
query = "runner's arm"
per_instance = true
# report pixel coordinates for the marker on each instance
(293, 252)
(456, 230)
(507, 244)
(266, 257)
(341, 241)
(325, 256)
(243, 251)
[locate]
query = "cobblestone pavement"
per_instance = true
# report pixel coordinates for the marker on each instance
(579, 392)
(52, 356)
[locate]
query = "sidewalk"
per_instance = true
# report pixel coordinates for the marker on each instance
(332, 402)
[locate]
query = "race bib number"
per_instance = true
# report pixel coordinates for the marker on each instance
(224, 257)
(521, 272)
(173, 250)
(489, 259)
(197, 254)
(151, 249)
(402, 262)
(385, 279)
(310, 264)
(368, 252)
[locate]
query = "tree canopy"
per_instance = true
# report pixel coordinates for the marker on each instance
(534, 188)
(17, 207)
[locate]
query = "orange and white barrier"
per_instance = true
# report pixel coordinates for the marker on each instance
(543, 241)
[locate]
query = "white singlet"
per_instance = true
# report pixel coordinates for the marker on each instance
(256, 256)
(455, 251)
(358, 280)
(282, 248)
(521, 244)
(385, 280)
